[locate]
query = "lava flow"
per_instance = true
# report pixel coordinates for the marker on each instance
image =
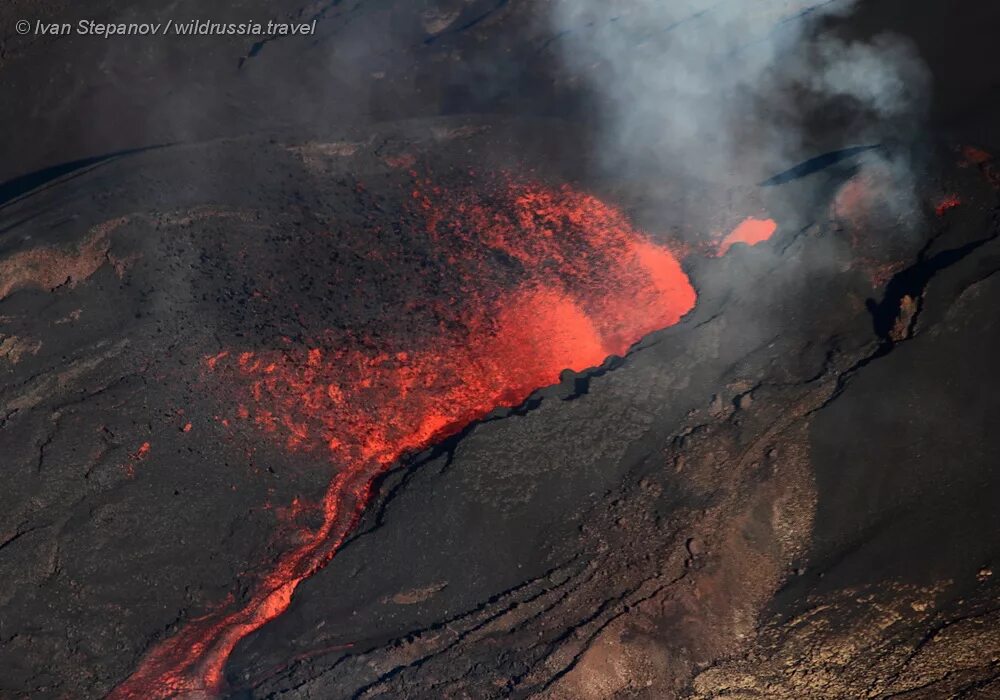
(750, 231)
(550, 280)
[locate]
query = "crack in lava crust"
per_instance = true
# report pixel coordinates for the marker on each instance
(578, 284)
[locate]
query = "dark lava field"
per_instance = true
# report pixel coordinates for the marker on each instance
(553, 349)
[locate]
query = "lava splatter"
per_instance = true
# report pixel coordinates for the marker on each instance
(552, 279)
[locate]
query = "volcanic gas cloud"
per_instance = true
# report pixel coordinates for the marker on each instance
(551, 279)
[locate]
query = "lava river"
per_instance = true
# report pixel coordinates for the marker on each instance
(549, 279)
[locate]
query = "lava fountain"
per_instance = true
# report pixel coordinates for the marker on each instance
(551, 279)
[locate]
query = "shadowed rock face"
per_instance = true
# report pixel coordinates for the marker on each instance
(788, 492)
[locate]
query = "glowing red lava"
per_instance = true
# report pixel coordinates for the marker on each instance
(948, 202)
(986, 163)
(584, 284)
(750, 231)
(976, 156)
(135, 458)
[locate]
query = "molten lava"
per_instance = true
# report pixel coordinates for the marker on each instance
(551, 279)
(750, 231)
(947, 202)
(135, 458)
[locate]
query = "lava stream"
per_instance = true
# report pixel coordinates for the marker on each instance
(578, 283)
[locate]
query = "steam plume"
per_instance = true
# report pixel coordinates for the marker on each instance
(733, 91)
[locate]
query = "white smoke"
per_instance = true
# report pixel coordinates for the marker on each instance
(732, 91)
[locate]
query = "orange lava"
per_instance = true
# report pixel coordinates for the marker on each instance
(579, 284)
(135, 458)
(750, 231)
